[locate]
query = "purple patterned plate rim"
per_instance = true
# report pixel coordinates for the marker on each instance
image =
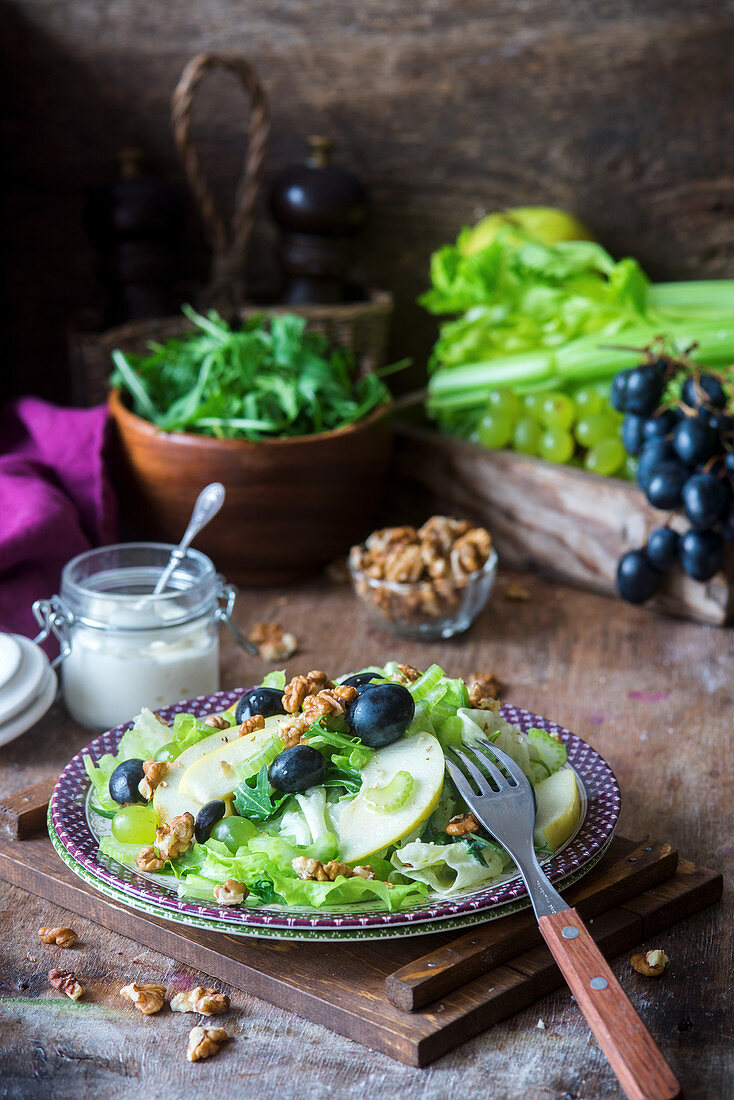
(68, 814)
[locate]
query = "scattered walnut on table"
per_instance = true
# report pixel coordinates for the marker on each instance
(231, 892)
(273, 642)
(206, 1001)
(650, 963)
(65, 981)
(204, 1042)
(147, 998)
(252, 725)
(462, 824)
(516, 592)
(154, 772)
(62, 937)
(175, 838)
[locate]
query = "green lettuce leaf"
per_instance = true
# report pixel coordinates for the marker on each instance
(447, 869)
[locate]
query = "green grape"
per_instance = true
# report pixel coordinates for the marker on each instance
(556, 445)
(557, 411)
(595, 427)
(605, 457)
(169, 751)
(527, 436)
(134, 824)
(495, 429)
(503, 401)
(235, 832)
(629, 470)
(588, 400)
(533, 405)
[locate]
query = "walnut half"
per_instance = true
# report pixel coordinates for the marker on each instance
(206, 1001)
(462, 824)
(65, 982)
(205, 1041)
(231, 892)
(147, 998)
(62, 937)
(650, 963)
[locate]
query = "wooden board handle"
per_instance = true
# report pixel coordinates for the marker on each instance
(630, 1049)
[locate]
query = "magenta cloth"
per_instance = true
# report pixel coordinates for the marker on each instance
(55, 500)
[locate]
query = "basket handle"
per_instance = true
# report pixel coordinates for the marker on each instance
(229, 244)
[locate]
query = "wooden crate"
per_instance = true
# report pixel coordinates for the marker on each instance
(564, 521)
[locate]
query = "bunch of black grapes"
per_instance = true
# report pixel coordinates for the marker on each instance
(686, 464)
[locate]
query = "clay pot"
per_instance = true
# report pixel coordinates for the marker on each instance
(292, 505)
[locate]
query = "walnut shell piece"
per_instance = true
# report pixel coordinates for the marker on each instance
(206, 1001)
(62, 937)
(65, 981)
(204, 1042)
(148, 998)
(650, 963)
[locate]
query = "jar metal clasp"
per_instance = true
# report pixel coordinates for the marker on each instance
(53, 617)
(226, 598)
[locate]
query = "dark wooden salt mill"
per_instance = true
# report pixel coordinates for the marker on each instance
(319, 208)
(136, 225)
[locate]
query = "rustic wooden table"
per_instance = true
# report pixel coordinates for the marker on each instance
(652, 695)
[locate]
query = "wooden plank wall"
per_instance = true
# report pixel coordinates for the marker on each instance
(447, 108)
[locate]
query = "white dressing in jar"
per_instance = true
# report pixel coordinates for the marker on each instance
(126, 648)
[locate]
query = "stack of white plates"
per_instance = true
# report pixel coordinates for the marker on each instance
(27, 685)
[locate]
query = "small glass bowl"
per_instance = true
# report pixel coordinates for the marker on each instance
(426, 609)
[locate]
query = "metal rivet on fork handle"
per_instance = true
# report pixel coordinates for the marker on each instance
(569, 932)
(598, 983)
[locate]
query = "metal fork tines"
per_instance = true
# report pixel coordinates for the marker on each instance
(505, 806)
(502, 800)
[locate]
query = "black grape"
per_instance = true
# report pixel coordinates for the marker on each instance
(694, 441)
(665, 485)
(637, 581)
(662, 548)
(705, 498)
(654, 453)
(705, 390)
(700, 554)
(644, 388)
(633, 436)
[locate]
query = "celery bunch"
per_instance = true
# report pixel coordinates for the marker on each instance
(534, 316)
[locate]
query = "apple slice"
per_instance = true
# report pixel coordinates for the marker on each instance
(558, 809)
(363, 830)
(216, 774)
(168, 801)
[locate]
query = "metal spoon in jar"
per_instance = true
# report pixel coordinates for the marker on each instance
(208, 503)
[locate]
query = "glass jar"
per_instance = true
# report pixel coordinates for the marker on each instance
(121, 647)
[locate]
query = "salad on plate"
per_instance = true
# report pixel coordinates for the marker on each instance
(322, 794)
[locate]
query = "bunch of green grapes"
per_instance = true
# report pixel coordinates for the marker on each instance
(580, 429)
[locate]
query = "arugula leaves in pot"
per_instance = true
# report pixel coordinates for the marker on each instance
(269, 378)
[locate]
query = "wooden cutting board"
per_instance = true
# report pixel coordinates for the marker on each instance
(414, 998)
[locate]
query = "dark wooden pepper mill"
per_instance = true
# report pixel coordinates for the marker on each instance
(319, 208)
(135, 224)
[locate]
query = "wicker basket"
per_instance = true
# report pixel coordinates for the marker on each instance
(362, 327)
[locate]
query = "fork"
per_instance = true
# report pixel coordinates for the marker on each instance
(505, 806)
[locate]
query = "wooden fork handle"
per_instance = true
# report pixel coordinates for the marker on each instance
(630, 1049)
